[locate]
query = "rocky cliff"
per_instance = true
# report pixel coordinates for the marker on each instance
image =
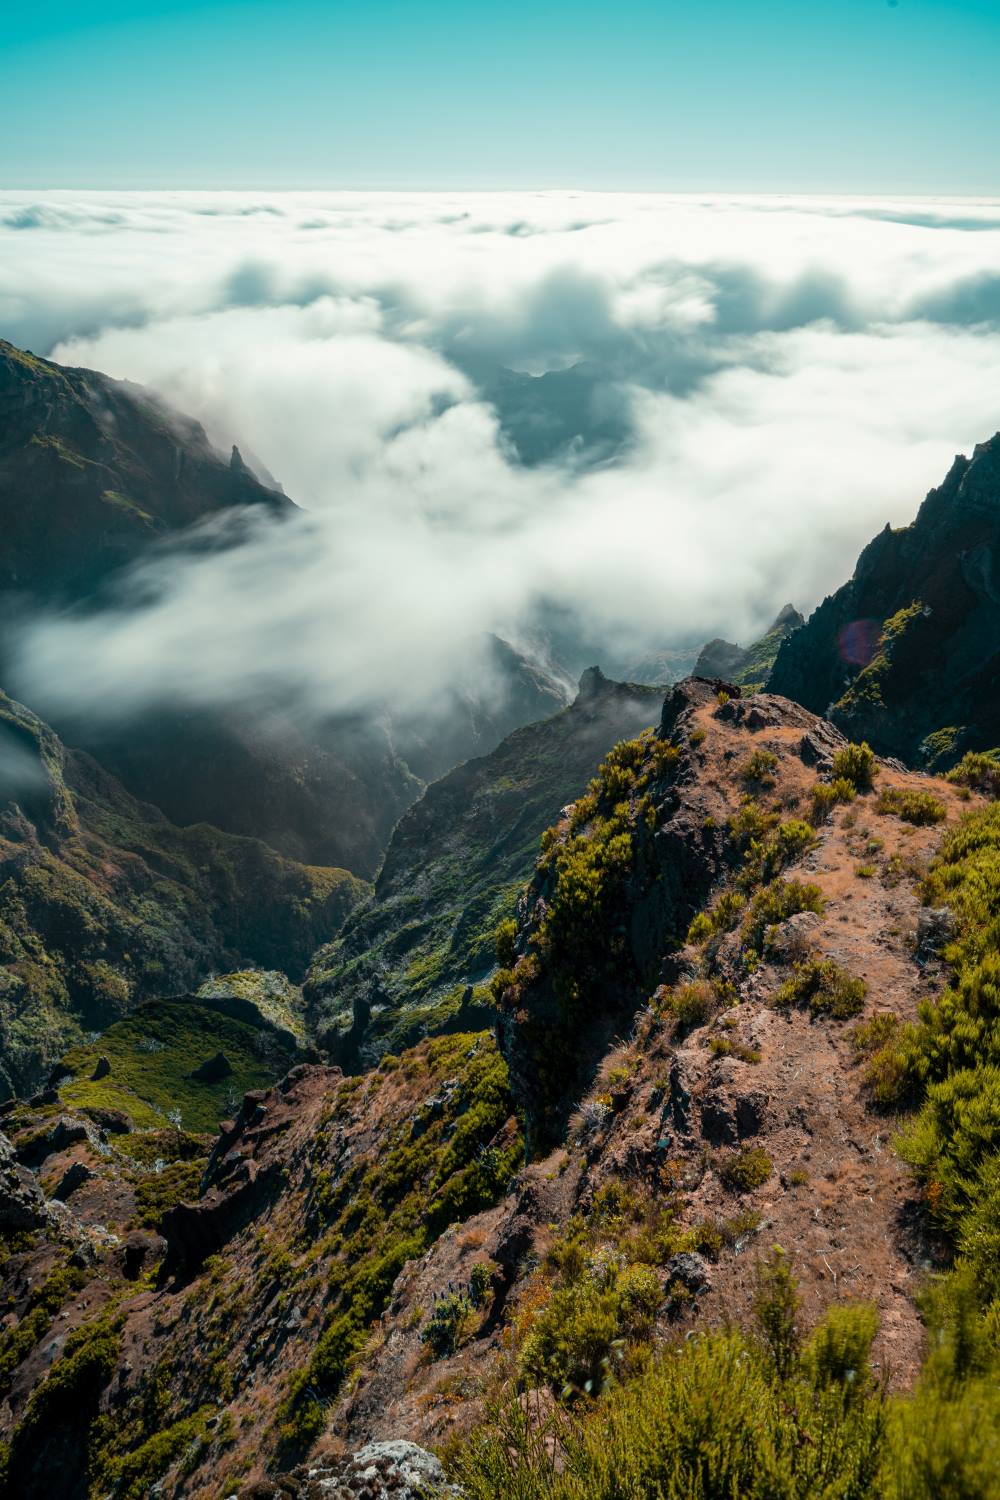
(417, 956)
(907, 654)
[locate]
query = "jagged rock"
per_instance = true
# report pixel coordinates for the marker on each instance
(751, 1110)
(718, 1119)
(101, 1069)
(690, 1269)
(111, 1121)
(141, 1250)
(75, 1175)
(789, 941)
(22, 1202)
(67, 1130)
(936, 927)
(214, 1069)
(396, 1469)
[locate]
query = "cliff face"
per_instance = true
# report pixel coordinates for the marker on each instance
(92, 470)
(103, 902)
(907, 654)
(416, 957)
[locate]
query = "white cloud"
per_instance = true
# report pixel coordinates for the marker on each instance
(794, 373)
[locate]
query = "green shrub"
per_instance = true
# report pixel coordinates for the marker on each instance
(691, 1004)
(825, 796)
(825, 987)
(979, 770)
(857, 765)
(921, 808)
(777, 902)
(759, 767)
(746, 1168)
(444, 1329)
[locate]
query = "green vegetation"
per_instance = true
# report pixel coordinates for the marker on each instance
(759, 767)
(452, 877)
(718, 1416)
(857, 765)
(979, 770)
(388, 1211)
(825, 987)
(921, 808)
(154, 1054)
(44, 1302)
(777, 902)
(867, 691)
(444, 1329)
(826, 795)
(115, 905)
(746, 1168)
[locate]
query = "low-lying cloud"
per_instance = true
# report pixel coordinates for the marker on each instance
(738, 393)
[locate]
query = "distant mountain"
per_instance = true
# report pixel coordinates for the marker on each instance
(410, 961)
(97, 473)
(92, 470)
(748, 666)
(104, 903)
(907, 654)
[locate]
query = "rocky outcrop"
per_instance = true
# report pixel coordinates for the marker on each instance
(748, 666)
(415, 958)
(392, 1470)
(907, 654)
(93, 470)
(675, 853)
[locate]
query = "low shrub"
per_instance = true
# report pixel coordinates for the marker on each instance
(856, 764)
(921, 808)
(746, 1168)
(825, 987)
(826, 795)
(979, 770)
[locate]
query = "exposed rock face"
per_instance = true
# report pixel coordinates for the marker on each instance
(748, 666)
(104, 903)
(676, 853)
(22, 1202)
(415, 958)
(378, 1471)
(910, 647)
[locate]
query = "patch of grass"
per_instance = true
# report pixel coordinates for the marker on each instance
(979, 770)
(154, 1053)
(777, 902)
(921, 808)
(759, 767)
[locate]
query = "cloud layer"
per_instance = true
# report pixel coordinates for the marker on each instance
(737, 394)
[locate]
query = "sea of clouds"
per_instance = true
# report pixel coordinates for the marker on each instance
(784, 376)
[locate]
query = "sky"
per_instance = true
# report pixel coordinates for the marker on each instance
(759, 384)
(879, 96)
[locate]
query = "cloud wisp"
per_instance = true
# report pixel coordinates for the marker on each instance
(663, 417)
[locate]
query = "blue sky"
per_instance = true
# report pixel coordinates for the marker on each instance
(852, 96)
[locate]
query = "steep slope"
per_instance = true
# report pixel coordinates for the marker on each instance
(705, 1007)
(103, 902)
(748, 666)
(412, 958)
(907, 654)
(92, 470)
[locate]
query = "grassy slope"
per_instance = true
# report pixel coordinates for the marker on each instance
(104, 903)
